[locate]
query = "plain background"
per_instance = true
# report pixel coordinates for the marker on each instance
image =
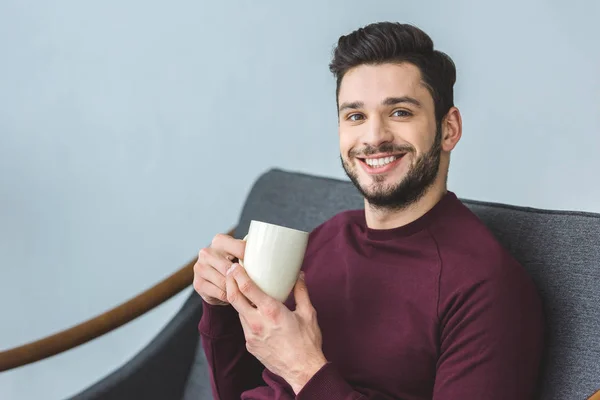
(130, 133)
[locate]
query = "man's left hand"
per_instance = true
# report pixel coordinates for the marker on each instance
(288, 343)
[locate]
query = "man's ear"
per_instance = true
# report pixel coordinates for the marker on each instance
(451, 129)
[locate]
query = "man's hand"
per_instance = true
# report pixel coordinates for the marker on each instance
(288, 343)
(211, 266)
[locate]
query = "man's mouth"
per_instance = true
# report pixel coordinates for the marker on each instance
(380, 163)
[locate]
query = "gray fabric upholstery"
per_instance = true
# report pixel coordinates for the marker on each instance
(159, 371)
(561, 251)
(198, 384)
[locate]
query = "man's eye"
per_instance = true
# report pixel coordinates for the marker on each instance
(355, 117)
(401, 113)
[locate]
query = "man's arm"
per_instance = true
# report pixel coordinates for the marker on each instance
(491, 345)
(491, 338)
(328, 384)
(232, 369)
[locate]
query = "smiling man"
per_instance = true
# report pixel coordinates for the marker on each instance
(411, 298)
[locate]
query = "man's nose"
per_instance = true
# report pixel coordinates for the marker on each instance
(377, 132)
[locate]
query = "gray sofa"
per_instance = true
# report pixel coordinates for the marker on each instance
(560, 249)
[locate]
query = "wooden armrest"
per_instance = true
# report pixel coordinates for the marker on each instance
(101, 324)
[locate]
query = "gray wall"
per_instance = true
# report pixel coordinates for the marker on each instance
(130, 133)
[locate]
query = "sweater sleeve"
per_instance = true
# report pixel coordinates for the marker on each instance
(328, 384)
(491, 338)
(490, 346)
(233, 370)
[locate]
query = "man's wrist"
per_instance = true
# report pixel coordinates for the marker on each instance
(306, 373)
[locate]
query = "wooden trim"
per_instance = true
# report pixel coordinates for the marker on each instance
(101, 324)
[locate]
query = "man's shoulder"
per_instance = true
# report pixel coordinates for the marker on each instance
(474, 264)
(465, 242)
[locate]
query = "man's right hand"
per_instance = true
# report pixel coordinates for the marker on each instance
(212, 265)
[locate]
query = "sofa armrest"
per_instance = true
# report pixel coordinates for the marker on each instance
(161, 369)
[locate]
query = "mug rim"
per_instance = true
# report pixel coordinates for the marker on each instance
(278, 226)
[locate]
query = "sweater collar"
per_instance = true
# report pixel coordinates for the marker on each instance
(413, 227)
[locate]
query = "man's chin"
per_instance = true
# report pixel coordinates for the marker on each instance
(376, 183)
(376, 190)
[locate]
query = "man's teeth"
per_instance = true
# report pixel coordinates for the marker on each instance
(380, 162)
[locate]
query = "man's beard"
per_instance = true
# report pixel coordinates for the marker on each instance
(419, 178)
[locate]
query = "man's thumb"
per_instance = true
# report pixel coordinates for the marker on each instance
(301, 292)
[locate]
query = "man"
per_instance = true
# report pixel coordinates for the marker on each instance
(410, 298)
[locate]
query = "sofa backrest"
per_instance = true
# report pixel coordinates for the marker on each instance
(560, 250)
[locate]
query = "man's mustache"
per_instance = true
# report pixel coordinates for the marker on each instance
(384, 148)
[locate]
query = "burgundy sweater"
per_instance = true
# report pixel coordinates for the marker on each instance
(435, 309)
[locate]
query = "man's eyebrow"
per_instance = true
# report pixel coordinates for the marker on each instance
(391, 101)
(354, 105)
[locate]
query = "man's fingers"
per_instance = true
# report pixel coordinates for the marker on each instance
(245, 326)
(214, 258)
(229, 246)
(211, 275)
(248, 288)
(209, 290)
(235, 297)
(301, 294)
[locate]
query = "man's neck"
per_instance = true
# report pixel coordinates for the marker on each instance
(388, 219)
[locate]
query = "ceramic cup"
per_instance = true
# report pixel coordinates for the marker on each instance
(273, 257)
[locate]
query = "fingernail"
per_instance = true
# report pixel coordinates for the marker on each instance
(230, 270)
(301, 275)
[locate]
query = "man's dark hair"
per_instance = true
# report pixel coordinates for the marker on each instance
(389, 42)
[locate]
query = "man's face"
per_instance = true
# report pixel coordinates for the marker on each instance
(389, 144)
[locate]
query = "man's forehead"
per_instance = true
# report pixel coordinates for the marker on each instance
(372, 83)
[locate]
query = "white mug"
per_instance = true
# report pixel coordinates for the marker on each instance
(273, 257)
